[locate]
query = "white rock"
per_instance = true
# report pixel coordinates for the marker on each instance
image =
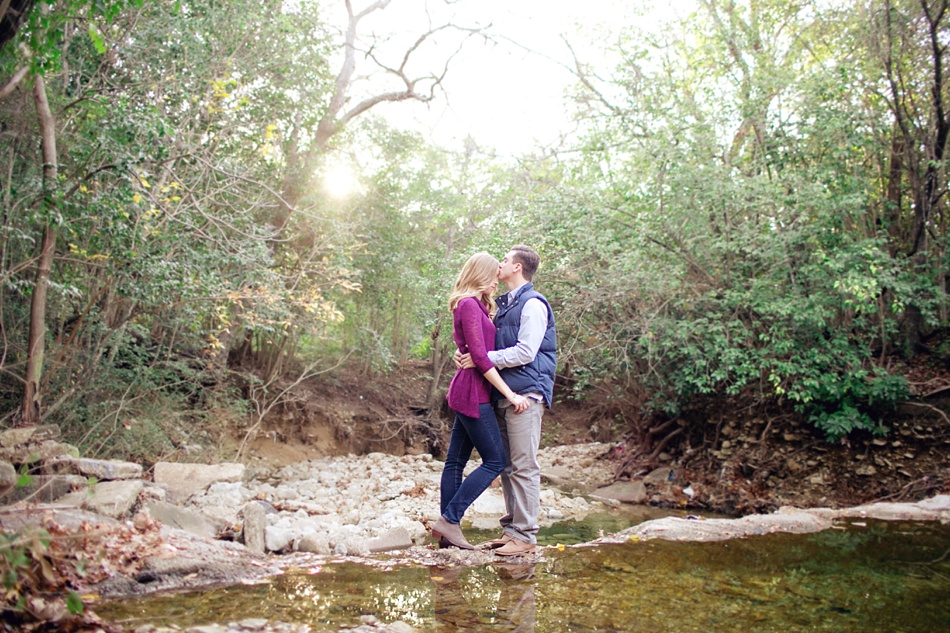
(276, 538)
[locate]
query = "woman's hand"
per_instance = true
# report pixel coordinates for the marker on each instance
(520, 403)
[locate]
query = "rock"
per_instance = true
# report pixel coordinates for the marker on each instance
(184, 480)
(8, 477)
(350, 547)
(314, 544)
(101, 469)
(255, 524)
(623, 491)
(490, 503)
(32, 453)
(20, 436)
(665, 474)
(114, 498)
(152, 492)
(939, 503)
(44, 489)
(277, 539)
(557, 475)
(677, 529)
(397, 538)
(182, 519)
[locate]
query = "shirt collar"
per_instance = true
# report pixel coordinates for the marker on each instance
(513, 293)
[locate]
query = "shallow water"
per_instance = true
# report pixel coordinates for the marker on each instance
(875, 577)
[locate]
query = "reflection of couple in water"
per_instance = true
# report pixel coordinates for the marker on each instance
(514, 611)
(505, 380)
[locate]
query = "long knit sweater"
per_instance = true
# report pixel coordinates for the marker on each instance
(474, 334)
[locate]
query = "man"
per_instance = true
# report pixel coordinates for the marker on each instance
(526, 343)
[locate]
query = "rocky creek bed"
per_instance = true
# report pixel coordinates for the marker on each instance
(199, 525)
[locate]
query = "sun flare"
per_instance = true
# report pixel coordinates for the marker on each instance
(339, 180)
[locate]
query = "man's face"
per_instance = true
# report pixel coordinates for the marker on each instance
(508, 268)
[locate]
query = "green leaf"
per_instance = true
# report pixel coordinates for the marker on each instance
(96, 38)
(74, 603)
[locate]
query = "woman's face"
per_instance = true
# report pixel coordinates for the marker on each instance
(490, 288)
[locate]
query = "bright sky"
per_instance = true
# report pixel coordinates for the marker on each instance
(501, 94)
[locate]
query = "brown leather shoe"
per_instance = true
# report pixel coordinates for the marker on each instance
(516, 547)
(449, 535)
(495, 543)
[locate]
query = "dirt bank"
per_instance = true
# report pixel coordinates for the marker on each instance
(734, 456)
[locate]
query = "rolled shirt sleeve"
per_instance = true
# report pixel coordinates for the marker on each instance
(534, 322)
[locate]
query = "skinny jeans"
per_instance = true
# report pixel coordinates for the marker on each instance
(481, 434)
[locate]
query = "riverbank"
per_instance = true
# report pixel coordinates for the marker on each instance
(192, 526)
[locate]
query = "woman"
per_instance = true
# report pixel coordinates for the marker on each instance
(472, 307)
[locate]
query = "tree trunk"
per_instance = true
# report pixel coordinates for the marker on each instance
(12, 13)
(30, 407)
(893, 199)
(441, 354)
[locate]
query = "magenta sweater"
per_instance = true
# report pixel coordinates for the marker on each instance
(474, 333)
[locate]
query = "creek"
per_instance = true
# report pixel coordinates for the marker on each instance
(863, 575)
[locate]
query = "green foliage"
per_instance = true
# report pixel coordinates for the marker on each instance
(731, 223)
(725, 232)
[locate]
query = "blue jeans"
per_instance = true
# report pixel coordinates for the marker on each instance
(483, 435)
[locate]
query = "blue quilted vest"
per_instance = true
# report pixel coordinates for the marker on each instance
(538, 375)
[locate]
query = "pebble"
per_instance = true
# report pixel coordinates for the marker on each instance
(339, 504)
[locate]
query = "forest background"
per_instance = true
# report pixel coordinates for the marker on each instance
(749, 211)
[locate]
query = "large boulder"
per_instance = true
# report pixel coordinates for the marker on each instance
(181, 518)
(184, 480)
(113, 499)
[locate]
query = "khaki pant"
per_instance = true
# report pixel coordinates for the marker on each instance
(521, 479)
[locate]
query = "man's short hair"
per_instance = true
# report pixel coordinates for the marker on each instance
(528, 258)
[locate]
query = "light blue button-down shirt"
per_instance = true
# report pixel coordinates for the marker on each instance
(534, 323)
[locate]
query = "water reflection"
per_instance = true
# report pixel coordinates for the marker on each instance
(504, 602)
(875, 577)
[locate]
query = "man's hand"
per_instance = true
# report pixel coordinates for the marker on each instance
(463, 361)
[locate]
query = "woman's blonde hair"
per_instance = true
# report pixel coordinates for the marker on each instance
(475, 280)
